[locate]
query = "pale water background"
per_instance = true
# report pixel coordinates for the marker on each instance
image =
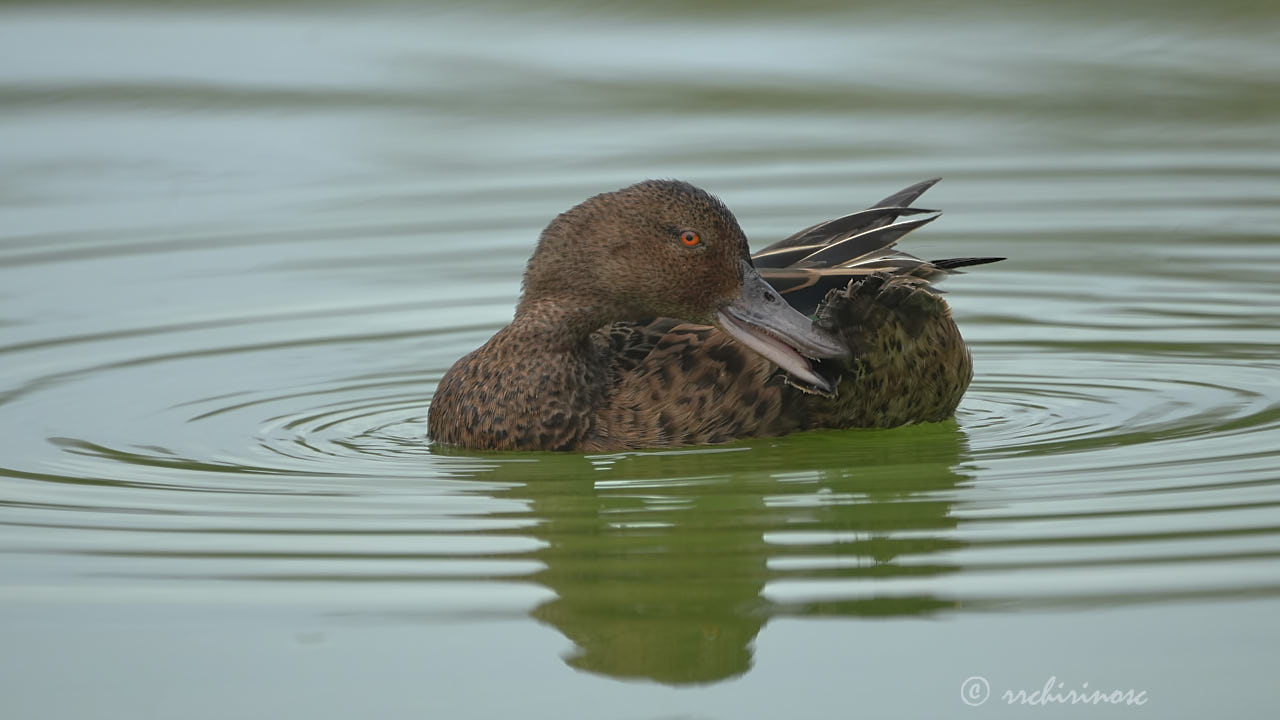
(240, 244)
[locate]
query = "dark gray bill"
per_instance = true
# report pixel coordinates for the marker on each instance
(764, 322)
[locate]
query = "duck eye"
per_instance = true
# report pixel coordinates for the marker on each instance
(690, 238)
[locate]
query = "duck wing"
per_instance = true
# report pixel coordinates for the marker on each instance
(810, 263)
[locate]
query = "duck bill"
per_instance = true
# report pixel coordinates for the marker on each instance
(760, 319)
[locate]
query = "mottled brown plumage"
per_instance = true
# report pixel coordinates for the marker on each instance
(629, 336)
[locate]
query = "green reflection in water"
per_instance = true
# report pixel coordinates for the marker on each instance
(660, 561)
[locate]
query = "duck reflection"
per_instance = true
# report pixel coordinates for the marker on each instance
(666, 566)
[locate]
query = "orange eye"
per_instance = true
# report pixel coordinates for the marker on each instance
(690, 238)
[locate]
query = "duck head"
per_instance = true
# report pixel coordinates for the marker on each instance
(664, 248)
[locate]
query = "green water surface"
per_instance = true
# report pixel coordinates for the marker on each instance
(240, 244)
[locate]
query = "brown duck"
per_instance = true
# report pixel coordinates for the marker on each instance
(645, 322)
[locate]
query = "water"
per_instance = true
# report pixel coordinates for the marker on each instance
(240, 245)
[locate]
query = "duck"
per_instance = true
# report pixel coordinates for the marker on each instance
(645, 321)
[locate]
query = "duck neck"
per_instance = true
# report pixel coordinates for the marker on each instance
(536, 385)
(559, 324)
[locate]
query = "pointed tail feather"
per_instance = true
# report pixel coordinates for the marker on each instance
(830, 231)
(866, 244)
(807, 265)
(908, 195)
(953, 263)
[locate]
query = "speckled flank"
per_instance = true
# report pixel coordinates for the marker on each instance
(510, 394)
(595, 359)
(697, 386)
